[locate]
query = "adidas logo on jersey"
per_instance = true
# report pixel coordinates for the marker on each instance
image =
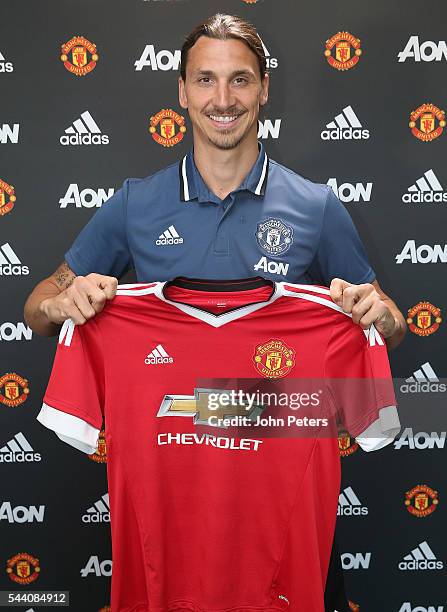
(21, 514)
(84, 131)
(347, 192)
(424, 380)
(9, 133)
(426, 189)
(407, 607)
(345, 126)
(349, 504)
(421, 440)
(422, 254)
(4, 65)
(427, 51)
(99, 512)
(87, 198)
(10, 264)
(158, 355)
(163, 60)
(169, 236)
(15, 331)
(421, 558)
(18, 450)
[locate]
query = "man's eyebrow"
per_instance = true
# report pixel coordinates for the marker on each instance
(236, 73)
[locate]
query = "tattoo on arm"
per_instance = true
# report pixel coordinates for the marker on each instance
(64, 276)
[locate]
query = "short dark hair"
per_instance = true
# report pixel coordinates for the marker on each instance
(223, 27)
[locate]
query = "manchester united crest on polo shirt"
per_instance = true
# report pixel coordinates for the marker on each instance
(274, 236)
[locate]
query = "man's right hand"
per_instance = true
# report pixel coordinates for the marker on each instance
(63, 295)
(82, 300)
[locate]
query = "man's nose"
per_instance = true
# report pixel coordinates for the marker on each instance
(223, 96)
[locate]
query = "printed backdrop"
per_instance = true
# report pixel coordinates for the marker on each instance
(89, 98)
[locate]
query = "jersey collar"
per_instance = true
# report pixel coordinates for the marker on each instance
(192, 185)
(217, 320)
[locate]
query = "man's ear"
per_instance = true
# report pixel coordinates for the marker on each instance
(264, 90)
(183, 101)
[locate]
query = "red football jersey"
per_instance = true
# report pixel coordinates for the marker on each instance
(206, 522)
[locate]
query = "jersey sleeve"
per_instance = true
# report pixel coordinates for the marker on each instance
(102, 245)
(340, 252)
(358, 378)
(73, 404)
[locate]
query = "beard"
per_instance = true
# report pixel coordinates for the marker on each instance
(226, 140)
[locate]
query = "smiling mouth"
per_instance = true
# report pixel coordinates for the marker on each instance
(224, 121)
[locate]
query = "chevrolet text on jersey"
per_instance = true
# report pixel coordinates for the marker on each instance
(427, 51)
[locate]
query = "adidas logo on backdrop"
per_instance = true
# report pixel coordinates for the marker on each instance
(424, 380)
(99, 512)
(158, 355)
(169, 236)
(349, 504)
(10, 264)
(84, 131)
(4, 65)
(426, 189)
(345, 126)
(421, 558)
(18, 450)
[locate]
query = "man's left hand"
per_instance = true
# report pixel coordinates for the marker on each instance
(365, 305)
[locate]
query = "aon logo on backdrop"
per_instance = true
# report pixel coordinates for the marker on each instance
(427, 51)
(87, 198)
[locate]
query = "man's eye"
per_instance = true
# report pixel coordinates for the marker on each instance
(240, 80)
(204, 80)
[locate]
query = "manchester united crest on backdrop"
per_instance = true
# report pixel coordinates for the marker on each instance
(343, 51)
(167, 127)
(79, 55)
(427, 122)
(7, 198)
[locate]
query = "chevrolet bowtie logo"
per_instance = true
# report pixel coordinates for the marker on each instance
(206, 403)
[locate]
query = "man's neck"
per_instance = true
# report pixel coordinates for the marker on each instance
(224, 170)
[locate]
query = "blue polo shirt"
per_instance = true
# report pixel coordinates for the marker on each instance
(276, 224)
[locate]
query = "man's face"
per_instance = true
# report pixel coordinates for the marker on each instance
(223, 91)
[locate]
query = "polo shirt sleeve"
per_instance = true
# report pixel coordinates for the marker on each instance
(102, 245)
(340, 252)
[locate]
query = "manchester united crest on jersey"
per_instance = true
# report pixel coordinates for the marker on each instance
(274, 359)
(274, 236)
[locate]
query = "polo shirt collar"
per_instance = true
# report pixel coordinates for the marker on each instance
(192, 185)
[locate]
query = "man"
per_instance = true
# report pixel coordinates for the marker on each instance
(237, 212)
(231, 212)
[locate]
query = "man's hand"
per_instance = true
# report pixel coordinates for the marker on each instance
(81, 301)
(366, 305)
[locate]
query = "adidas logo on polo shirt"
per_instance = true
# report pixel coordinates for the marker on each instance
(426, 189)
(10, 264)
(345, 126)
(84, 131)
(424, 380)
(99, 512)
(421, 558)
(169, 236)
(349, 504)
(158, 355)
(18, 450)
